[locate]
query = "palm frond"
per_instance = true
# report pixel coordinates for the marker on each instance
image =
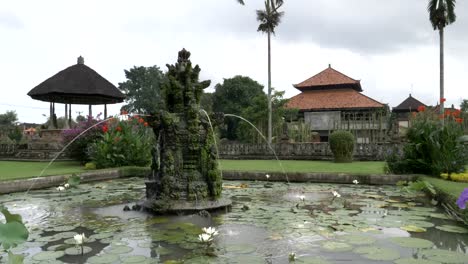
(241, 2)
(441, 13)
(269, 18)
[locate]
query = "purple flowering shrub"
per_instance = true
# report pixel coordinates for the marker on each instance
(78, 150)
(463, 199)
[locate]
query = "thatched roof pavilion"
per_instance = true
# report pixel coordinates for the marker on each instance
(77, 84)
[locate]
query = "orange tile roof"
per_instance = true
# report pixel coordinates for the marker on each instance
(329, 78)
(332, 100)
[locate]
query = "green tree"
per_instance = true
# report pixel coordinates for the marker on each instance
(441, 14)
(257, 114)
(269, 19)
(464, 106)
(206, 102)
(143, 89)
(8, 119)
(232, 97)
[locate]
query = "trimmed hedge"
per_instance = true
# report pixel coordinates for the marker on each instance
(342, 146)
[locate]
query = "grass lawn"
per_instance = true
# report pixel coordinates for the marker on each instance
(452, 188)
(358, 167)
(11, 170)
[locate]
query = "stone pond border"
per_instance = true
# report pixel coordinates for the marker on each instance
(109, 174)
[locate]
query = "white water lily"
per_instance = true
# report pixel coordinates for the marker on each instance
(79, 239)
(355, 182)
(302, 197)
(336, 194)
(205, 238)
(267, 176)
(60, 188)
(210, 231)
(66, 185)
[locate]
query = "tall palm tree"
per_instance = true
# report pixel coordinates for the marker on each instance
(269, 19)
(441, 14)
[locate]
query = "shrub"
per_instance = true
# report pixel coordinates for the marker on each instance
(123, 143)
(432, 148)
(342, 146)
(78, 149)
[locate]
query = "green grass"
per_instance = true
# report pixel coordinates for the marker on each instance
(12, 170)
(358, 167)
(449, 187)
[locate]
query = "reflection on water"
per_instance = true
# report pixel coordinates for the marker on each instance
(264, 226)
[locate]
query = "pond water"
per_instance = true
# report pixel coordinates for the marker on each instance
(367, 224)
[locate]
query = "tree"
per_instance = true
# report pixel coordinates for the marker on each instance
(8, 119)
(206, 102)
(441, 14)
(231, 97)
(464, 106)
(143, 89)
(257, 114)
(269, 19)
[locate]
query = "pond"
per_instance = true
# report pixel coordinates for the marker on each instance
(268, 221)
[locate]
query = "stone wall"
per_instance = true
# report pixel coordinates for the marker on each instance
(32, 151)
(301, 151)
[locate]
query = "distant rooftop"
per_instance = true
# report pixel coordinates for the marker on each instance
(342, 99)
(329, 79)
(410, 104)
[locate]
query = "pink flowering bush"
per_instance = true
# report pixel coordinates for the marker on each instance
(78, 149)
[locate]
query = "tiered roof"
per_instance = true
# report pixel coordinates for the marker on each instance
(331, 90)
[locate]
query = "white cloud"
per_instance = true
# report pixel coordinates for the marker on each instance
(390, 46)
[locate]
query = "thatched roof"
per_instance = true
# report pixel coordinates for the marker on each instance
(77, 84)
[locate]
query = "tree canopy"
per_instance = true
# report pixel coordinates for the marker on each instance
(232, 97)
(143, 89)
(8, 118)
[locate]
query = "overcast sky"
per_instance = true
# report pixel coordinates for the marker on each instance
(389, 45)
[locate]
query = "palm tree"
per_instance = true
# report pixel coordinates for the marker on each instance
(269, 19)
(441, 14)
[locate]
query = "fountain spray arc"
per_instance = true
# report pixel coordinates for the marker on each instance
(184, 172)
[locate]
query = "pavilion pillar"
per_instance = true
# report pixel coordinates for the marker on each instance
(90, 112)
(105, 111)
(69, 116)
(66, 124)
(54, 120)
(51, 117)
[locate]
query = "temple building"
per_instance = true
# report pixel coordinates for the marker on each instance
(403, 113)
(331, 101)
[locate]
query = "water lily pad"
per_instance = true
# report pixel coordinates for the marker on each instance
(163, 251)
(48, 255)
(74, 251)
(63, 228)
(412, 228)
(134, 259)
(378, 253)
(411, 242)
(336, 246)
(415, 261)
(102, 235)
(48, 239)
(453, 229)
(146, 244)
(103, 259)
(440, 216)
(445, 256)
(65, 235)
(241, 248)
(59, 247)
(358, 239)
(312, 260)
(118, 249)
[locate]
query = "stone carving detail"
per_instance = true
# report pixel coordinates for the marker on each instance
(184, 166)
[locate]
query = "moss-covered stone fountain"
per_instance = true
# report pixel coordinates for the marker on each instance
(185, 175)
